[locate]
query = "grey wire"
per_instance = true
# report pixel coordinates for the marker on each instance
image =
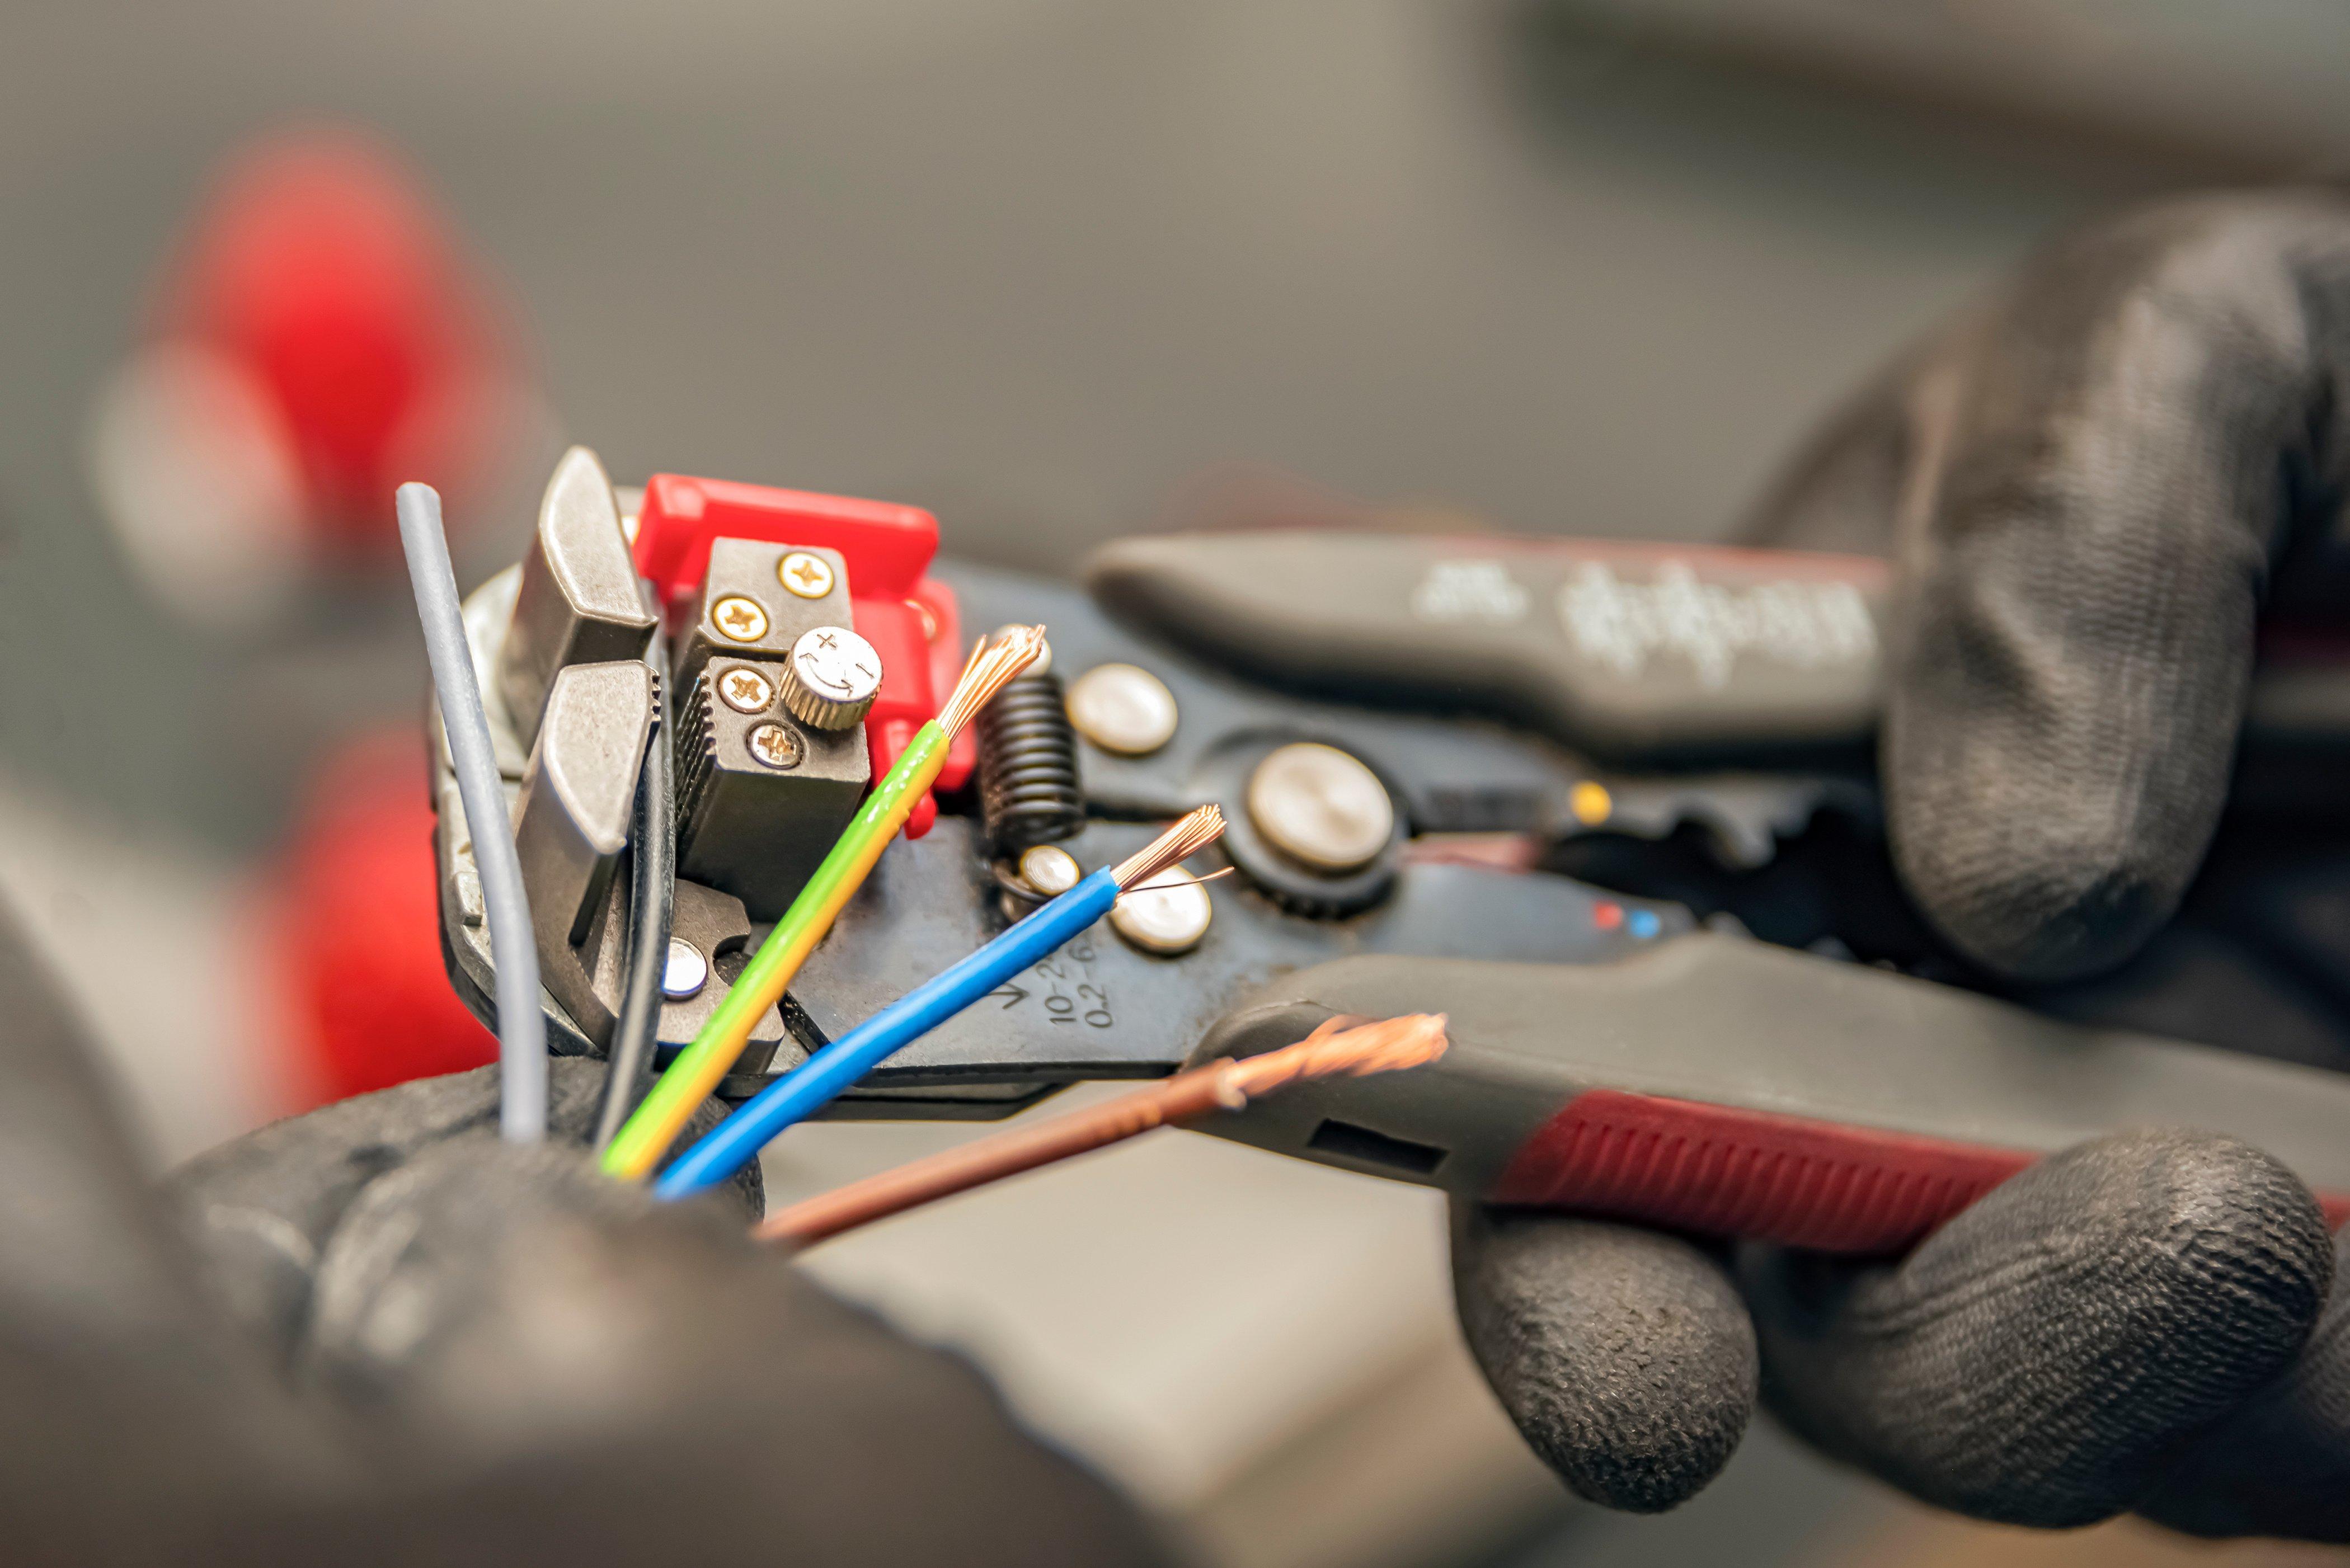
(522, 1028)
(629, 1067)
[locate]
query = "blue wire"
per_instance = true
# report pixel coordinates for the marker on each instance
(821, 1079)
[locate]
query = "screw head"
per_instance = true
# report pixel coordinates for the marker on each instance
(1163, 920)
(743, 619)
(1320, 806)
(808, 576)
(1050, 869)
(777, 745)
(685, 972)
(1121, 707)
(744, 690)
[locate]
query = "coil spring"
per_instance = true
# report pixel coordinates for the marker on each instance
(1028, 790)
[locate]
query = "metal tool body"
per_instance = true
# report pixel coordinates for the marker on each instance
(1732, 693)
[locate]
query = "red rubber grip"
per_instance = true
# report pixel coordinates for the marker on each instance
(1722, 1171)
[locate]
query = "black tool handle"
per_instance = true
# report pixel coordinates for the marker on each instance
(1633, 651)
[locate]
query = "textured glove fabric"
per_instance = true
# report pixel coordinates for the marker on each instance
(1622, 1355)
(2091, 484)
(2125, 1326)
(382, 1337)
(2048, 1356)
(2086, 484)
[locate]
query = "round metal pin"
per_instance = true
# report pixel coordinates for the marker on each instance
(1050, 869)
(1320, 806)
(686, 970)
(1163, 920)
(1122, 707)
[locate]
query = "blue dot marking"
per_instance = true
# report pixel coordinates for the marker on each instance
(1643, 923)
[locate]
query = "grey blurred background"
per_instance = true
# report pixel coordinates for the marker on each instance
(1059, 269)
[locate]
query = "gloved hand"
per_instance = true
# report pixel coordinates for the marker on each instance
(377, 1335)
(2092, 484)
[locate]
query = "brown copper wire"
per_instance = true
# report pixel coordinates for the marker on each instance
(1227, 1085)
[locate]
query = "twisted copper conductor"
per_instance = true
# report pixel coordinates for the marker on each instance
(1330, 1050)
(1194, 832)
(991, 669)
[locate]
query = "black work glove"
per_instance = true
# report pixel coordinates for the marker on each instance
(377, 1335)
(2092, 485)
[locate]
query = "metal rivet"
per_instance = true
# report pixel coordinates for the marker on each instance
(1164, 921)
(745, 690)
(809, 576)
(1037, 666)
(777, 745)
(1121, 707)
(686, 972)
(1050, 869)
(743, 620)
(1320, 806)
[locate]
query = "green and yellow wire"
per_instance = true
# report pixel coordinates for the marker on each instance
(696, 1073)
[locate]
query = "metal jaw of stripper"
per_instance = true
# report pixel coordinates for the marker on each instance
(1557, 753)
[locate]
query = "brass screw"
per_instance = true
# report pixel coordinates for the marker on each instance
(745, 690)
(809, 576)
(740, 618)
(776, 746)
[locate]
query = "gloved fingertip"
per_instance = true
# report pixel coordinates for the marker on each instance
(2040, 1359)
(1623, 1355)
(2059, 895)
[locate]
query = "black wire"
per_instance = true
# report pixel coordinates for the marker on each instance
(629, 1070)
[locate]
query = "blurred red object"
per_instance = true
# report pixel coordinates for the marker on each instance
(317, 266)
(356, 914)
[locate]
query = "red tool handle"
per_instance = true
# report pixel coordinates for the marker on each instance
(1718, 1085)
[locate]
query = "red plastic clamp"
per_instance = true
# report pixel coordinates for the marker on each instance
(909, 617)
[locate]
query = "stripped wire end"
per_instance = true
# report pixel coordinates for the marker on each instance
(993, 666)
(1194, 833)
(1335, 1051)
(1340, 1047)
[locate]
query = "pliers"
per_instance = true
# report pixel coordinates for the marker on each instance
(1580, 783)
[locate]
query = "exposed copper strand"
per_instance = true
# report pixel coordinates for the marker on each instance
(1333, 1048)
(1384, 1047)
(993, 666)
(1194, 833)
(1155, 886)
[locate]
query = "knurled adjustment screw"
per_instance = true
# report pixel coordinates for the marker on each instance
(831, 679)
